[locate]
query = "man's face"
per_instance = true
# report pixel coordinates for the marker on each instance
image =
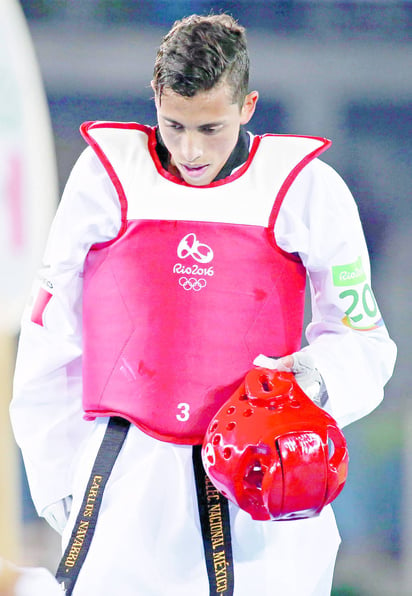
(201, 132)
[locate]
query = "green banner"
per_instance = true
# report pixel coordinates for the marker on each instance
(348, 275)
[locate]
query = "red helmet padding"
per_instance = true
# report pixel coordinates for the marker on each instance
(273, 452)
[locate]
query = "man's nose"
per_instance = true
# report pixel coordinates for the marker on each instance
(191, 147)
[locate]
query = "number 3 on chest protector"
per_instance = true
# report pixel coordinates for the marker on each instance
(184, 412)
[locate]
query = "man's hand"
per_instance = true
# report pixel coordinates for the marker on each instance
(307, 375)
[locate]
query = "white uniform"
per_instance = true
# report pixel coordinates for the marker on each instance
(148, 537)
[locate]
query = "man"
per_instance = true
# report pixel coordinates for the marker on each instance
(178, 255)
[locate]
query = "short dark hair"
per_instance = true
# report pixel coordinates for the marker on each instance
(201, 51)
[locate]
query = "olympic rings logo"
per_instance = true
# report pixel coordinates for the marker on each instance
(192, 283)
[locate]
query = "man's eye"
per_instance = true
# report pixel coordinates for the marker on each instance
(209, 130)
(175, 126)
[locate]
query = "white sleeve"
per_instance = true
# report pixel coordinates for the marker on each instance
(46, 411)
(347, 338)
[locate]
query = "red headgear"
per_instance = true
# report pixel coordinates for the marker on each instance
(273, 452)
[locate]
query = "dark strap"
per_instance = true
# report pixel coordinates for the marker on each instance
(215, 524)
(83, 530)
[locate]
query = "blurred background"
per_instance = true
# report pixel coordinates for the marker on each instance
(337, 69)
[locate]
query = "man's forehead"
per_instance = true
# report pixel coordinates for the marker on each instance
(211, 105)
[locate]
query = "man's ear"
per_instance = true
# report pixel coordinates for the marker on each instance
(249, 106)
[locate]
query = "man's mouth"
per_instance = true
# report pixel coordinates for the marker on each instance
(194, 171)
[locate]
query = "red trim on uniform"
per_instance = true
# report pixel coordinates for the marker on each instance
(326, 143)
(172, 178)
(42, 300)
(90, 125)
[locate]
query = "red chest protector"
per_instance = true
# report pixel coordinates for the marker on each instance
(174, 310)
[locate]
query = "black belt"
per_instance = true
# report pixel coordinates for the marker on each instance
(213, 513)
(215, 524)
(85, 524)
